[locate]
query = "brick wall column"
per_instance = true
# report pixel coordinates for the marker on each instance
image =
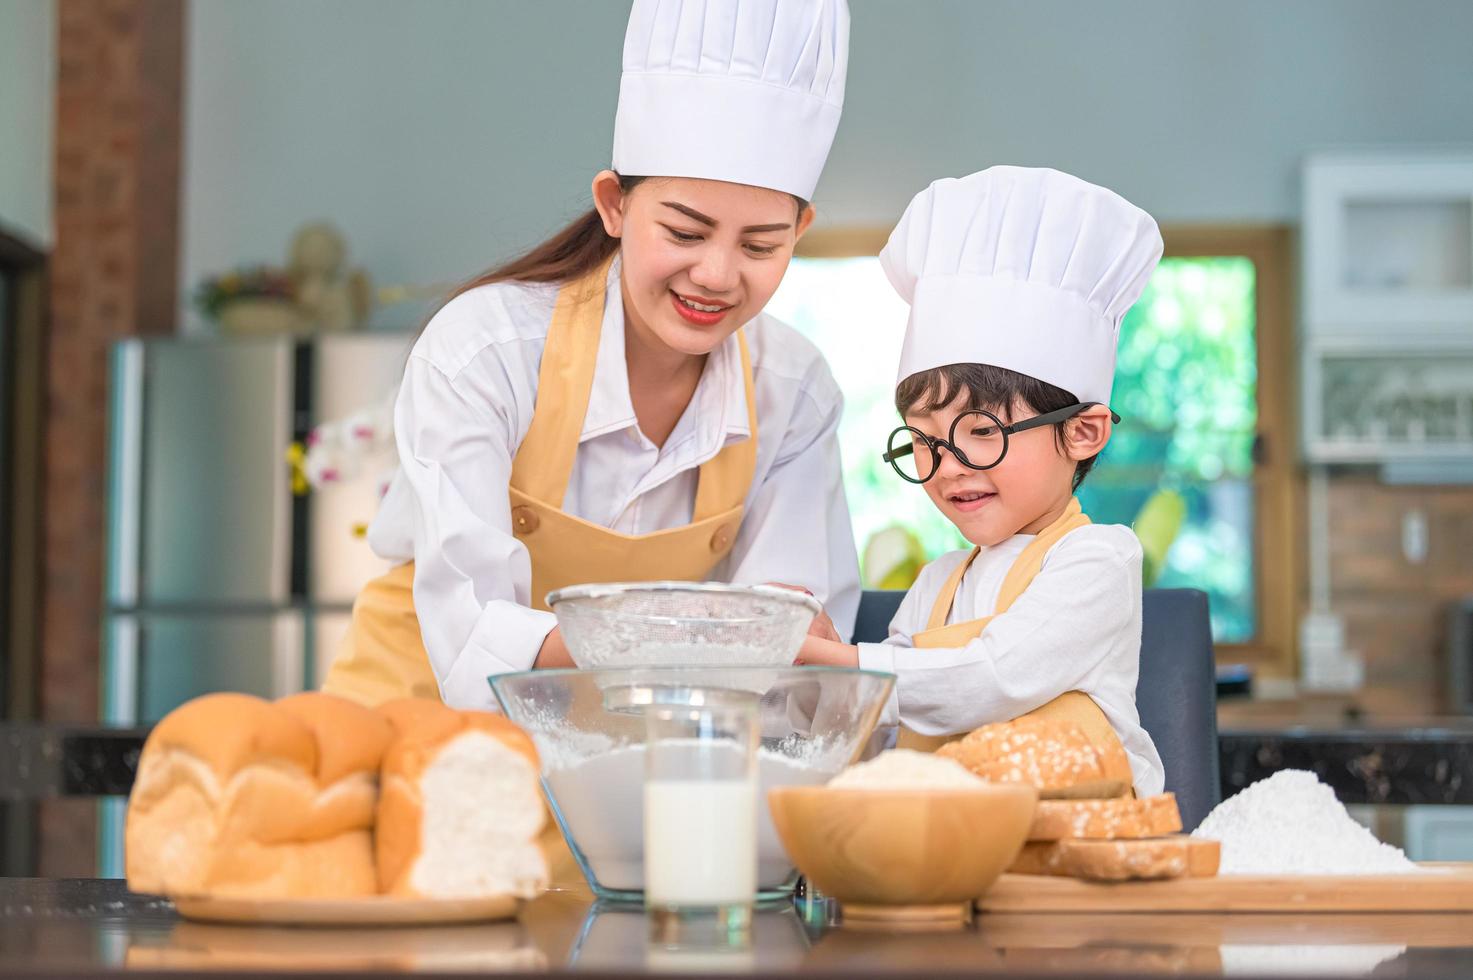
(113, 275)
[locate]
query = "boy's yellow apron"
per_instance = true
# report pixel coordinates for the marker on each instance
(383, 656)
(1074, 706)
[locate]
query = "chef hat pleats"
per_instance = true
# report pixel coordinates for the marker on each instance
(1026, 269)
(747, 91)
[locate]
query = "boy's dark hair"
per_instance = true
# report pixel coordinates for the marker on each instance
(991, 389)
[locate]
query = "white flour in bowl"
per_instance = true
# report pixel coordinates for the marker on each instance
(907, 769)
(1291, 823)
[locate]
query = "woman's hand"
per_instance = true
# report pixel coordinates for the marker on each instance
(822, 626)
(820, 652)
(554, 652)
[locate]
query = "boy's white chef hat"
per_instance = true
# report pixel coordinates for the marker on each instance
(747, 91)
(1026, 269)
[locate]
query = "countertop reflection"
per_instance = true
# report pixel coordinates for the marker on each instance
(83, 927)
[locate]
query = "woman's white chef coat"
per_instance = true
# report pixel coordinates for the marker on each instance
(464, 406)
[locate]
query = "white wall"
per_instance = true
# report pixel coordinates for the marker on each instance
(27, 88)
(442, 135)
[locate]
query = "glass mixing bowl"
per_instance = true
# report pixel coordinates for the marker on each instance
(590, 732)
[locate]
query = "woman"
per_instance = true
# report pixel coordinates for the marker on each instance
(613, 405)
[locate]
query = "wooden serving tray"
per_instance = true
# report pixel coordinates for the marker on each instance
(1440, 888)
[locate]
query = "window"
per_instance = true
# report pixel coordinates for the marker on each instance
(1201, 383)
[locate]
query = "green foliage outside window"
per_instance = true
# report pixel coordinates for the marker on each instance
(1186, 386)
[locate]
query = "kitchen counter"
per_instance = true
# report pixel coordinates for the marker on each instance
(43, 760)
(1411, 761)
(1364, 764)
(83, 927)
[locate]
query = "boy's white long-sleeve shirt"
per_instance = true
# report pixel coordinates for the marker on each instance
(1077, 627)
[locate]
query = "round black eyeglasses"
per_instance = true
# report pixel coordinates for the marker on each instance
(978, 440)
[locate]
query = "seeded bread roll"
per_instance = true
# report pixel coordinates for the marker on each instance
(1120, 818)
(223, 775)
(1052, 755)
(461, 807)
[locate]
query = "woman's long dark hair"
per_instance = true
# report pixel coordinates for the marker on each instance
(577, 250)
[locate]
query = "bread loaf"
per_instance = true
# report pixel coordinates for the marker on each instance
(1204, 857)
(1125, 817)
(461, 807)
(224, 786)
(1127, 860)
(1036, 858)
(351, 741)
(334, 853)
(309, 796)
(1120, 860)
(1051, 755)
(416, 714)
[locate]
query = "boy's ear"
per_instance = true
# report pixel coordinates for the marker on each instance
(1086, 433)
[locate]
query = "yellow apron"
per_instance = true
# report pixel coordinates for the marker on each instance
(383, 655)
(1074, 706)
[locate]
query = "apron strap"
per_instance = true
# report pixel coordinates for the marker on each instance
(544, 460)
(726, 478)
(941, 608)
(1022, 572)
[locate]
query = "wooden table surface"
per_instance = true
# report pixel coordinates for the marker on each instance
(84, 927)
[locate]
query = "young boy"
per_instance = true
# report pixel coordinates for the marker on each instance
(1017, 281)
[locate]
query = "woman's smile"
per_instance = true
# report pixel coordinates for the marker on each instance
(697, 310)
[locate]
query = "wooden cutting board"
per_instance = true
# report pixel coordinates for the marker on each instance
(1440, 888)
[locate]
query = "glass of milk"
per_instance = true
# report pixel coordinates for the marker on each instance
(700, 807)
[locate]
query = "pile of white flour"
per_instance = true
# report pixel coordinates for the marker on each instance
(1291, 823)
(906, 769)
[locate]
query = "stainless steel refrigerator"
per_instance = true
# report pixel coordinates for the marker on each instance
(218, 576)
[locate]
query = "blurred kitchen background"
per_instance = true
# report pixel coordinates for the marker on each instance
(221, 223)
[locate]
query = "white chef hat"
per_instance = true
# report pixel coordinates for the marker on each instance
(1026, 269)
(747, 91)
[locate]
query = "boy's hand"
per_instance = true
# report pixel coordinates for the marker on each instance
(822, 626)
(820, 652)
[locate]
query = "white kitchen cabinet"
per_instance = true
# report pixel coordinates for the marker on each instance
(1388, 245)
(1386, 339)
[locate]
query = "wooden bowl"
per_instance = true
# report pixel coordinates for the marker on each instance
(906, 856)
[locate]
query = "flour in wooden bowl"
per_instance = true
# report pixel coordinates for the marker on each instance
(906, 769)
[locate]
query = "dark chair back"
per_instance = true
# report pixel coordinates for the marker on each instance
(1177, 697)
(1176, 694)
(876, 608)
